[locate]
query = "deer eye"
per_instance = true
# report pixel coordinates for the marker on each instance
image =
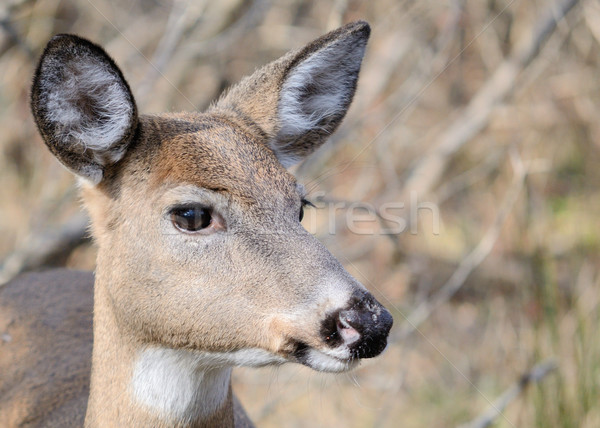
(191, 218)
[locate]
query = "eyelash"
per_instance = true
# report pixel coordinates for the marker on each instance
(305, 203)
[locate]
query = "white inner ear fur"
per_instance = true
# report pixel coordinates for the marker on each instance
(317, 88)
(90, 85)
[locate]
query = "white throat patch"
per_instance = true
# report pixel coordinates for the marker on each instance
(176, 384)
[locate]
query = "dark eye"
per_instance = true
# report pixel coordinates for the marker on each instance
(191, 218)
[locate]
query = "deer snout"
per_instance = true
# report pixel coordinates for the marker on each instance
(363, 326)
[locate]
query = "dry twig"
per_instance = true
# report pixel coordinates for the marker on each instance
(474, 118)
(474, 258)
(50, 248)
(536, 374)
(176, 25)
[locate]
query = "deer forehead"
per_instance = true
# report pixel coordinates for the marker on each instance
(210, 152)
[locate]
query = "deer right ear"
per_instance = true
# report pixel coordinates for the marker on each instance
(82, 106)
(299, 100)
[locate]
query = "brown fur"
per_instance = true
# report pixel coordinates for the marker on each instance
(42, 315)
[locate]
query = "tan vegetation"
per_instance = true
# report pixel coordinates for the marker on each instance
(453, 103)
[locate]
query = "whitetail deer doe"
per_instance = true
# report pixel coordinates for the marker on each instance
(202, 261)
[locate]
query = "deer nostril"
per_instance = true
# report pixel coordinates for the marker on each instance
(345, 329)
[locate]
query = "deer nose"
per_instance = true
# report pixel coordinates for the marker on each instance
(363, 326)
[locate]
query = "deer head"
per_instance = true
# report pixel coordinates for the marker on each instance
(197, 219)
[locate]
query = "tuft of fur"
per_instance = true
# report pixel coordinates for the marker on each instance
(96, 123)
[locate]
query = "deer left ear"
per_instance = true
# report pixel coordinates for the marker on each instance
(83, 106)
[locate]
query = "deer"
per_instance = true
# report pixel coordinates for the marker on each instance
(202, 261)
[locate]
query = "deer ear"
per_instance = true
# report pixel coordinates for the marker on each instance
(83, 106)
(316, 92)
(301, 99)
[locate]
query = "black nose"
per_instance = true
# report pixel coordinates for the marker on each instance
(363, 326)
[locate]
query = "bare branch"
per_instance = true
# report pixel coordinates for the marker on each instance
(474, 258)
(48, 249)
(475, 117)
(536, 374)
(178, 21)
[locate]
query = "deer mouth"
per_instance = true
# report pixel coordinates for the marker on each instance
(326, 360)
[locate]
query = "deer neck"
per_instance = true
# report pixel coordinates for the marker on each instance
(134, 384)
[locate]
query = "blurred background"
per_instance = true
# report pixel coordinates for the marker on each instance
(470, 157)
